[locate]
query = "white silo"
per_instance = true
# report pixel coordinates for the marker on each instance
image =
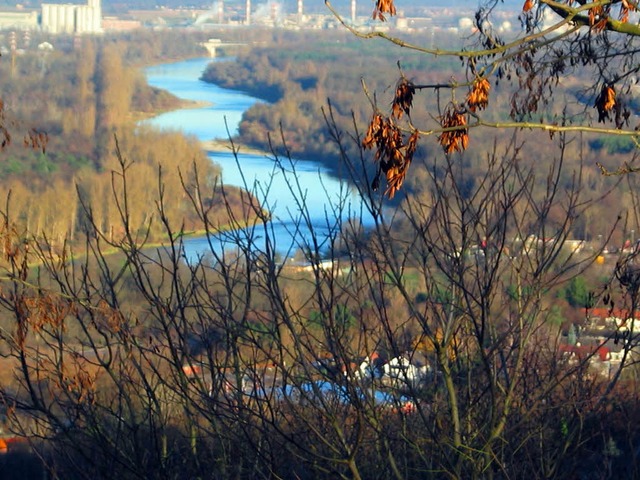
(62, 19)
(70, 18)
(46, 17)
(53, 19)
(83, 19)
(96, 16)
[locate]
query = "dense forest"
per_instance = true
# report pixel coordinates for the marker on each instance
(299, 74)
(302, 73)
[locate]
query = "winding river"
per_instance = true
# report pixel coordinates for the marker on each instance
(281, 187)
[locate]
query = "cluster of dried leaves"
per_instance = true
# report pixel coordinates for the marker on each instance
(46, 309)
(455, 138)
(108, 317)
(74, 376)
(393, 154)
(599, 14)
(478, 96)
(37, 311)
(597, 18)
(15, 249)
(625, 7)
(605, 102)
(403, 99)
(80, 383)
(382, 7)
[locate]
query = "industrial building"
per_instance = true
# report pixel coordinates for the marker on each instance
(19, 20)
(72, 19)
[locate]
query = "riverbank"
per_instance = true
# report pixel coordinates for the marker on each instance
(225, 146)
(181, 104)
(307, 189)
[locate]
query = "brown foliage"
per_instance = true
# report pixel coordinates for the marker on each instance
(478, 96)
(403, 99)
(605, 102)
(598, 18)
(382, 7)
(393, 154)
(456, 139)
(625, 7)
(47, 310)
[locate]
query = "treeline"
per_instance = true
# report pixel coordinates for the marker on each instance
(87, 86)
(82, 97)
(297, 74)
(62, 207)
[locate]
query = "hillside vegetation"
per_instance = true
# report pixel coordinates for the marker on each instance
(76, 101)
(480, 326)
(316, 82)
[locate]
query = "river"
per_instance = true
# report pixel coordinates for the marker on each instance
(271, 182)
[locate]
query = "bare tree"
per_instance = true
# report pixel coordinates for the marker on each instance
(591, 43)
(424, 346)
(427, 345)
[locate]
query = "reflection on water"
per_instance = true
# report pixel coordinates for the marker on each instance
(283, 188)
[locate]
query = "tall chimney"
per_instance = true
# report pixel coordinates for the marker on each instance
(300, 9)
(353, 11)
(220, 11)
(248, 19)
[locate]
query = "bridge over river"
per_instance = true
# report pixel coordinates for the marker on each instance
(213, 45)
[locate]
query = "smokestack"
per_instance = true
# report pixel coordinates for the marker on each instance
(300, 8)
(220, 11)
(248, 19)
(353, 11)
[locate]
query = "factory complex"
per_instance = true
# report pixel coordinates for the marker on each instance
(88, 19)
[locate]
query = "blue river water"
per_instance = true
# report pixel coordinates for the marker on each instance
(304, 200)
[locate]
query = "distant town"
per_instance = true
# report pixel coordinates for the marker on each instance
(89, 19)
